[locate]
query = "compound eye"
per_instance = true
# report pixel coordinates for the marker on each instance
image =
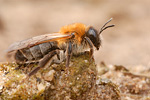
(94, 37)
(92, 33)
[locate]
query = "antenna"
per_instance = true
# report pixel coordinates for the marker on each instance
(103, 27)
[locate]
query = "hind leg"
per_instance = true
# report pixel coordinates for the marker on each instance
(47, 59)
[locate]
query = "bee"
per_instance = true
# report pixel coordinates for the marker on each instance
(71, 39)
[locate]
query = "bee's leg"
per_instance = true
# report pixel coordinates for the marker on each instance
(68, 53)
(24, 65)
(91, 47)
(46, 60)
(18, 67)
(60, 57)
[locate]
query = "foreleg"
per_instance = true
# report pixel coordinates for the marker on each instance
(91, 47)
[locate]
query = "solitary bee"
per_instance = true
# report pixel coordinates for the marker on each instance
(71, 39)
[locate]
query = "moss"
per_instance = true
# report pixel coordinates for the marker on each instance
(78, 81)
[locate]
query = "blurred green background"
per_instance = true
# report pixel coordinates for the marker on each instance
(128, 43)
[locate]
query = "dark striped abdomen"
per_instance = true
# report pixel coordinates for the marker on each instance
(35, 53)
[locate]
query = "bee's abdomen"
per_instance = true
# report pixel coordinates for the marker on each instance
(35, 53)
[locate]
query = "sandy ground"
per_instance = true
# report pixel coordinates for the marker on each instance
(127, 44)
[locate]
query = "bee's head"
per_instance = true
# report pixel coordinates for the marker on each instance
(94, 36)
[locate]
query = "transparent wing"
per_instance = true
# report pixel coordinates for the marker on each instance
(37, 40)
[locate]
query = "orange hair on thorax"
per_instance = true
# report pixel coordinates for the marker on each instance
(78, 28)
